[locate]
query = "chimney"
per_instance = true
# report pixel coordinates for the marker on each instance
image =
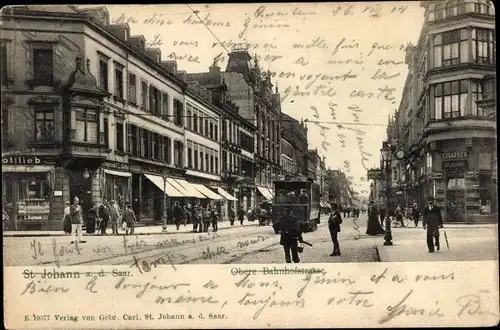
(170, 66)
(99, 14)
(138, 41)
(122, 31)
(183, 75)
(154, 53)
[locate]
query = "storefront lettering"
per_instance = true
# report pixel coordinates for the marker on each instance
(454, 164)
(455, 155)
(28, 160)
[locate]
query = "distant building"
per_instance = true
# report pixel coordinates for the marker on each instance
(294, 141)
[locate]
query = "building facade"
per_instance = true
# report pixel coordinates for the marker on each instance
(295, 135)
(253, 92)
(446, 122)
(122, 111)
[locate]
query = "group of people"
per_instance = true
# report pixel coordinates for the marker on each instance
(98, 219)
(352, 210)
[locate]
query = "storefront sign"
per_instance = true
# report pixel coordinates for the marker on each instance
(28, 160)
(454, 165)
(436, 175)
(117, 166)
(455, 155)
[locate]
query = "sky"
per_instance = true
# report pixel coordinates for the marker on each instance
(338, 65)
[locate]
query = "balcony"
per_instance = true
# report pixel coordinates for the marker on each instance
(464, 127)
(90, 149)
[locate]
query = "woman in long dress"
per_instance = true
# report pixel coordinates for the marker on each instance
(373, 227)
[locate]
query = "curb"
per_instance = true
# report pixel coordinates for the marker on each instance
(377, 253)
(57, 233)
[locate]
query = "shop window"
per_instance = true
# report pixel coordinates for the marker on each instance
(44, 123)
(484, 161)
(86, 125)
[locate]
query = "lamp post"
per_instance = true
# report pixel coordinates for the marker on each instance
(386, 153)
(164, 218)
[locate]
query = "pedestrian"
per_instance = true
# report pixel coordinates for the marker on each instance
(206, 219)
(303, 197)
(215, 219)
(92, 219)
(177, 213)
(104, 211)
(185, 215)
(382, 216)
(241, 216)
(415, 214)
(288, 226)
(67, 218)
(129, 219)
(114, 215)
(76, 221)
(334, 222)
(231, 216)
(373, 227)
(399, 215)
(433, 221)
(194, 216)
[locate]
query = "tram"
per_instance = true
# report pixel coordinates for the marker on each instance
(302, 197)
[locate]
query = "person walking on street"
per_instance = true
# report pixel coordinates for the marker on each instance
(177, 213)
(373, 227)
(433, 220)
(415, 214)
(104, 210)
(114, 215)
(185, 215)
(92, 219)
(231, 216)
(334, 222)
(288, 226)
(241, 215)
(129, 219)
(76, 221)
(215, 219)
(398, 212)
(206, 219)
(382, 216)
(194, 217)
(67, 218)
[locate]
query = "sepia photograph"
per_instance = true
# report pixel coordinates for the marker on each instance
(157, 136)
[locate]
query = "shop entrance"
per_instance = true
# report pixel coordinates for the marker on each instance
(455, 200)
(81, 187)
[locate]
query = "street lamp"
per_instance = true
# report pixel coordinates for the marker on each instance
(164, 220)
(386, 153)
(86, 174)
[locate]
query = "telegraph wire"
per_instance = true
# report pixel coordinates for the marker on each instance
(196, 13)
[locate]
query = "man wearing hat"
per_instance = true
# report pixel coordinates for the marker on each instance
(76, 221)
(433, 221)
(291, 234)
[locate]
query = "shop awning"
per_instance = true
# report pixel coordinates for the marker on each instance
(118, 173)
(170, 190)
(207, 192)
(188, 189)
(265, 192)
(225, 194)
(271, 191)
(26, 168)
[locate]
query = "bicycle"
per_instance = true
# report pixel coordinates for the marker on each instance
(401, 223)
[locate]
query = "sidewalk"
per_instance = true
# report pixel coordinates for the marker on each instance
(141, 230)
(466, 242)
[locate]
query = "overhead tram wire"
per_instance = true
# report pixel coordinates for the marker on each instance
(213, 34)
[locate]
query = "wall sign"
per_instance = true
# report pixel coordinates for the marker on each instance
(455, 155)
(28, 160)
(454, 165)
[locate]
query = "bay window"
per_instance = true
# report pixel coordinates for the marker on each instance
(451, 48)
(482, 46)
(449, 100)
(477, 95)
(86, 125)
(454, 8)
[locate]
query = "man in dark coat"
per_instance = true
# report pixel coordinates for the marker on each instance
(433, 221)
(291, 234)
(241, 215)
(177, 213)
(104, 215)
(334, 222)
(415, 213)
(129, 218)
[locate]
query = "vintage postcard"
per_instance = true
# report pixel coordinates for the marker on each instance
(259, 165)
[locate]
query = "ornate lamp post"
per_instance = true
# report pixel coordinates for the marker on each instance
(386, 153)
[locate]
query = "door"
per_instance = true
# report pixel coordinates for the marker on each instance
(80, 187)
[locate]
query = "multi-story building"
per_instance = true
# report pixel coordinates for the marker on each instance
(338, 188)
(253, 92)
(236, 142)
(446, 119)
(120, 109)
(313, 165)
(295, 135)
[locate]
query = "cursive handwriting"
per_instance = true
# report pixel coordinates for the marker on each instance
(209, 254)
(125, 283)
(145, 267)
(269, 301)
(322, 280)
(473, 304)
(404, 309)
(34, 287)
(251, 241)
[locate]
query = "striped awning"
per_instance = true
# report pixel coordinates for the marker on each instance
(265, 192)
(225, 194)
(189, 189)
(206, 192)
(164, 186)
